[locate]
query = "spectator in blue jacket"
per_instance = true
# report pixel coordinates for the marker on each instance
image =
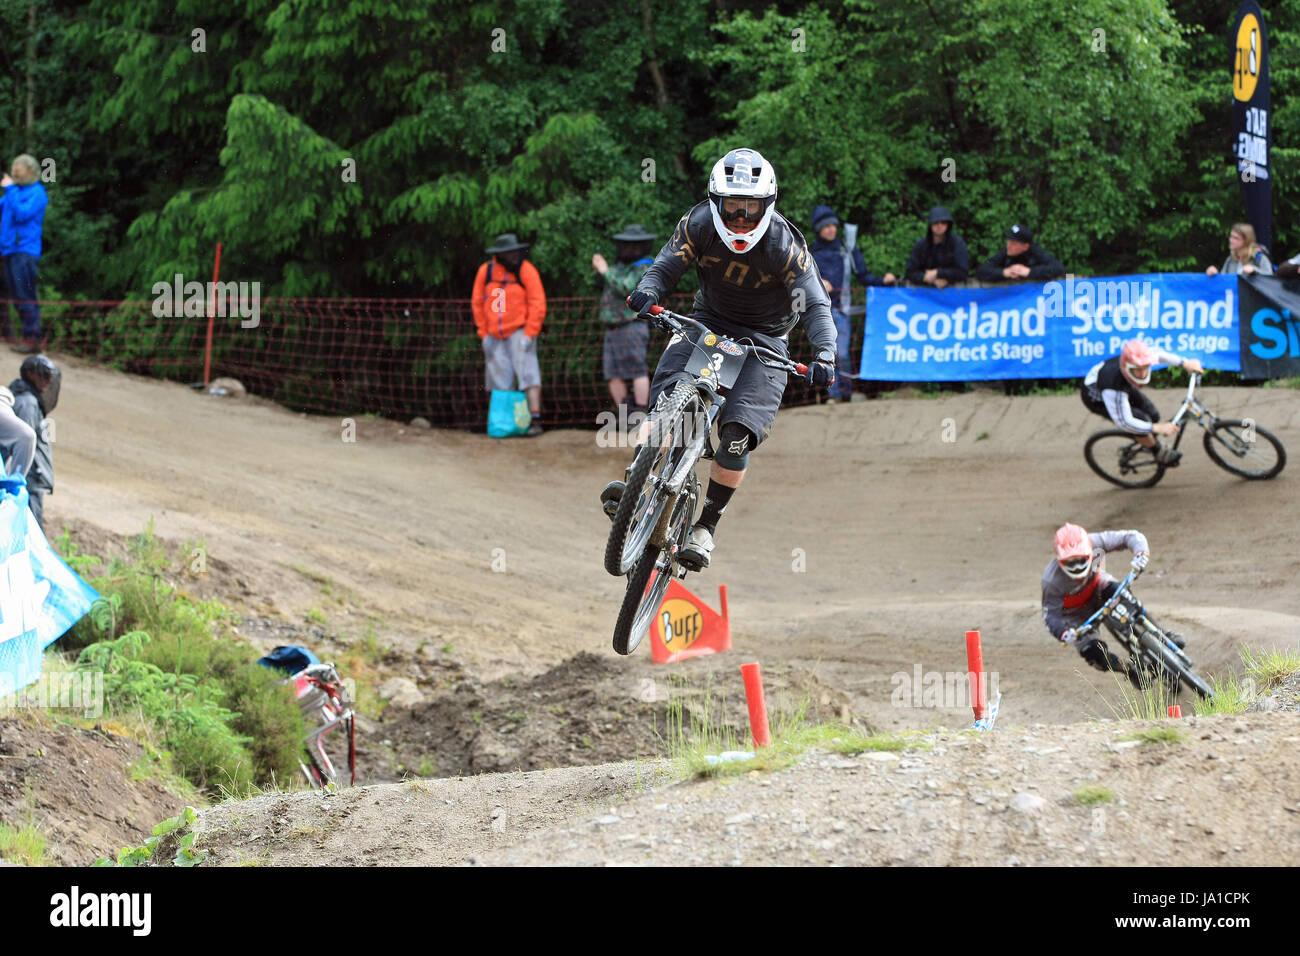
(22, 214)
(835, 260)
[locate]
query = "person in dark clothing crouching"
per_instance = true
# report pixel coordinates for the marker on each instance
(36, 392)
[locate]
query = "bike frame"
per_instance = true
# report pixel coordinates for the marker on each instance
(1107, 613)
(1193, 409)
(710, 396)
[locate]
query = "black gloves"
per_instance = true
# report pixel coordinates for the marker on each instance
(640, 302)
(821, 370)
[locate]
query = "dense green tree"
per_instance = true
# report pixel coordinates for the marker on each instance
(373, 147)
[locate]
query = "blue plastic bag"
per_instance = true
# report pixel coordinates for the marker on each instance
(508, 414)
(289, 658)
(40, 596)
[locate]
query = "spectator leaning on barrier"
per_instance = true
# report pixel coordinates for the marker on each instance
(36, 392)
(835, 261)
(17, 439)
(626, 336)
(1244, 254)
(1021, 259)
(941, 258)
(509, 305)
(22, 215)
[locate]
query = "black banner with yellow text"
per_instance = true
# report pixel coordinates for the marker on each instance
(1251, 121)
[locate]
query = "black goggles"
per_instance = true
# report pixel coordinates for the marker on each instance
(1076, 565)
(733, 209)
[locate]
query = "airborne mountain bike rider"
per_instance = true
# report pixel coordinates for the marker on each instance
(1075, 585)
(1111, 389)
(757, 280)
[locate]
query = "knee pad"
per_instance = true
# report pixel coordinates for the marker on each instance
(734, 442)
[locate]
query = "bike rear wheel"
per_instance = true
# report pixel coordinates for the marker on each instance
(1229, 444)
(639, 510)
(649, 580)
(1116, 456)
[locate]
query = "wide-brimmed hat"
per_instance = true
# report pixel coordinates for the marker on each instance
(633, 233)
(1019, 233)
(506, 242)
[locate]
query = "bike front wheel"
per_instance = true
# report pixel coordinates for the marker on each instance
(1168, 661)
(640, 509)
(1244, 449)
(649, 580)
(1116, 456)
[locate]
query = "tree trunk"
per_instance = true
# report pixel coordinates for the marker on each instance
(657, 76)
(31, 74)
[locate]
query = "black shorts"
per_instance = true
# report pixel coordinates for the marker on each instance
(755, 398)
(1143, 408)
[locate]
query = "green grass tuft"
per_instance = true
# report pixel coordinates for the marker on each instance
(1093, 794)
(1157, 735)
(23, 844)
(1292, 382)
(1230, 696)
(1270, 668)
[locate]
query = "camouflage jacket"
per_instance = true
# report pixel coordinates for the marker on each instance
(620, 281)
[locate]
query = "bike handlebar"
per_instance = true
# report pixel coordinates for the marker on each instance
(1090, 624)
(674, 322)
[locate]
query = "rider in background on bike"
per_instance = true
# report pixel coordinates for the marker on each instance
(1112, 389)
(1075, 585)
(757, 281)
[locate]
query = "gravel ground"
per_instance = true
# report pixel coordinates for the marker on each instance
(1226, 793)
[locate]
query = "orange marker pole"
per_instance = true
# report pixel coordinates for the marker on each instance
(757, 704)
(975, 666)
(1175, 710)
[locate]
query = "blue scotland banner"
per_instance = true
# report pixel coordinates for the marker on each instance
(1057, 329)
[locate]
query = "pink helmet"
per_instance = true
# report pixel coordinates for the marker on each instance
(1137, 355)
(1073, 550)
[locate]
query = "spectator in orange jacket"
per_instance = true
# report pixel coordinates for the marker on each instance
(509, 305)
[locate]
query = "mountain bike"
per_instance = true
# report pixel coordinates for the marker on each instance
(1157, 656)
(662, 491)
(1234, 444)
(326, 704)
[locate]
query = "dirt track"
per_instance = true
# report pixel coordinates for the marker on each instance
(908, 540)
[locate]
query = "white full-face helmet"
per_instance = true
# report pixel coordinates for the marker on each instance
(742, 191)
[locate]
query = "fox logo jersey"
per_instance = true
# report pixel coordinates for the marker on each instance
(767, 289)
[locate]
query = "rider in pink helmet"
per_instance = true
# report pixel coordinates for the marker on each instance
(1135, 361)
(1112, 389)
(1075, 585)
(1073, 551)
